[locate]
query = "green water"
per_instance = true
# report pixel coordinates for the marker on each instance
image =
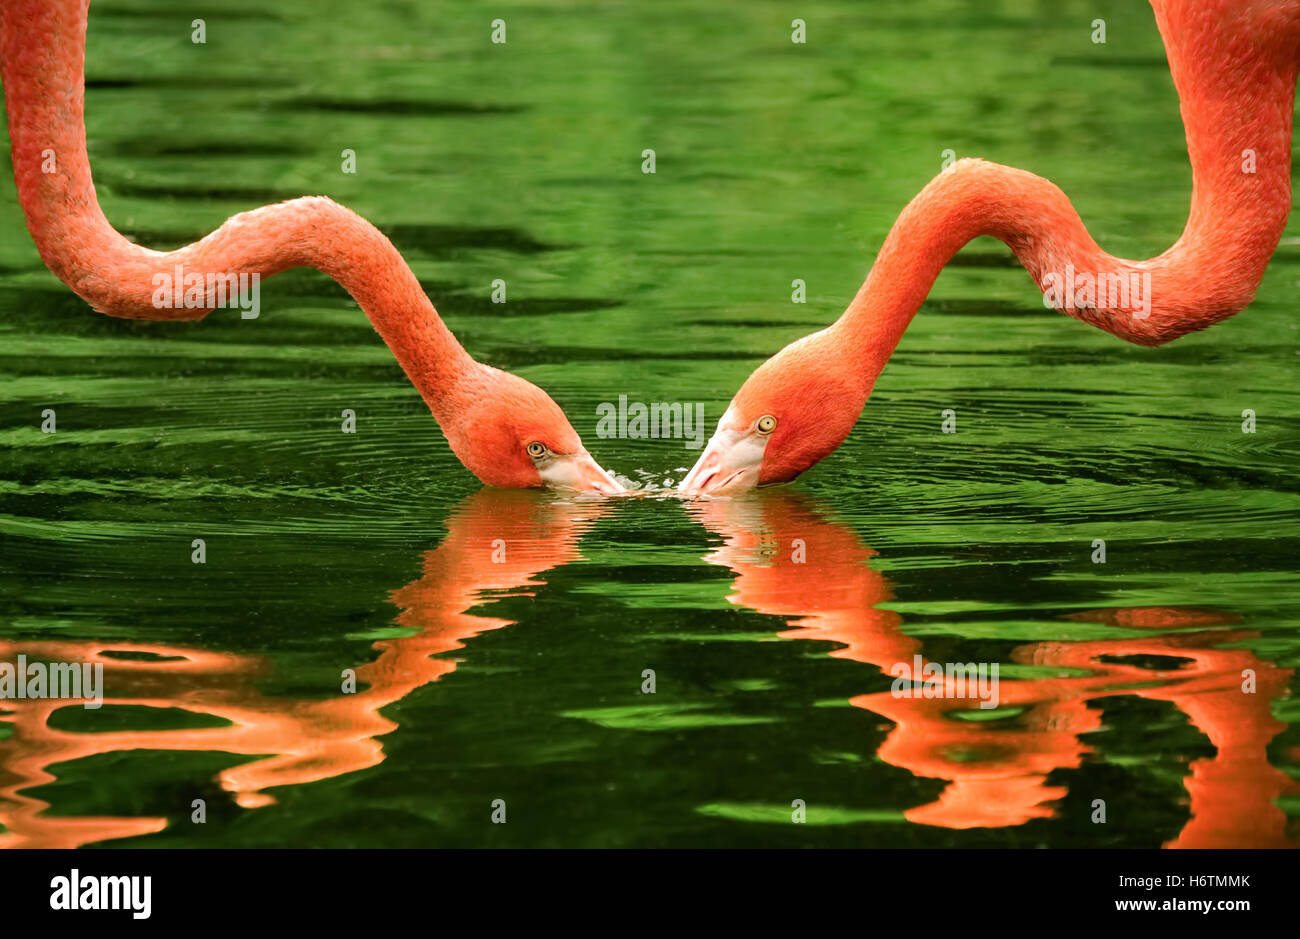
(519, 675)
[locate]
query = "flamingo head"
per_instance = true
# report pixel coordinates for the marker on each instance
(509, 433)
(795, 409)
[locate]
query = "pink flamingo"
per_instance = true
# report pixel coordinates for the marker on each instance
(1234, 65)
(506, 431)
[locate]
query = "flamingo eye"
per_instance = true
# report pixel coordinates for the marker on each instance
(536, 450)
(766, 424)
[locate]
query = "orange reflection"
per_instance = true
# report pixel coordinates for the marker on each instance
(790, 561)
(499, 540)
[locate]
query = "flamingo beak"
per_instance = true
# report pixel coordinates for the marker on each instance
(579, 471)
(730, 463)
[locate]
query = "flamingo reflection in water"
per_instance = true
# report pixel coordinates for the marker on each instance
(792, 562)
(499, 540)
(997, 770)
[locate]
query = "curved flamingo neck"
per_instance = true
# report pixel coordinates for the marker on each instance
(1234, 65)
(42, 60)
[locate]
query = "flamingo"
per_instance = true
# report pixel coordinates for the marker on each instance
(505, 430)
(1234, 65)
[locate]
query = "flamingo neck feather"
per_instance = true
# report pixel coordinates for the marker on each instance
(1234, 66)
(42, 59)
